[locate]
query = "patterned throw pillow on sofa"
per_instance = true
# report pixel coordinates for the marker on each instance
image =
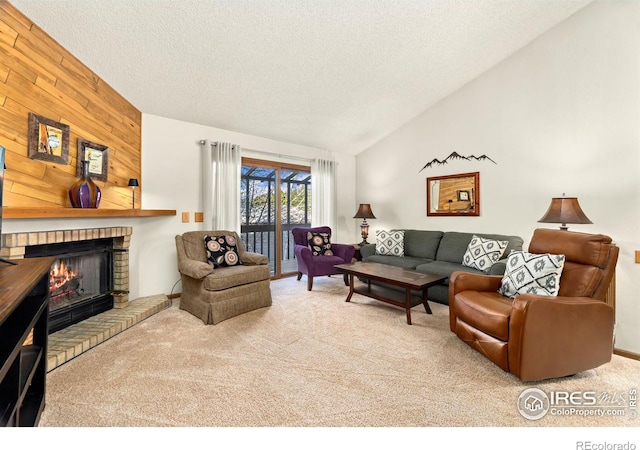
(222, 251)
(390, 243)
(530, 273)
(483, 253)
(319, 243)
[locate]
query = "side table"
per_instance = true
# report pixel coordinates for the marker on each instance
(357, 256)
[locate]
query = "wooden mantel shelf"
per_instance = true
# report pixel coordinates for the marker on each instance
(9, 212)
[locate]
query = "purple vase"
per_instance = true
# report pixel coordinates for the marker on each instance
(84, 193)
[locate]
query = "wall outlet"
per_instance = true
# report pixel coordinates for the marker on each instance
(185, 217)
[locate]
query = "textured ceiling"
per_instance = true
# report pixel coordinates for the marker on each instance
(332, 74)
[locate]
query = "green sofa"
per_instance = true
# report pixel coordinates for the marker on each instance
(441, 253)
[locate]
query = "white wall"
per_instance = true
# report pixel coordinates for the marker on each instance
(171, 177)
(171, 170)
(560, 116)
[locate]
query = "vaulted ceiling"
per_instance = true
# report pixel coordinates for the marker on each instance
(332, 74)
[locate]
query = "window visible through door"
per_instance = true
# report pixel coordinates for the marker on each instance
(275, 197)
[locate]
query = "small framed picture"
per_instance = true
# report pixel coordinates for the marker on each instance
(463, 196)
(48, 140)
(98, 157)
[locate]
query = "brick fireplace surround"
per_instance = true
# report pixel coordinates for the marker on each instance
(15, 244)
(78, 338)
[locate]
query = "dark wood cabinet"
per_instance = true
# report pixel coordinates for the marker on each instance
(24, 308)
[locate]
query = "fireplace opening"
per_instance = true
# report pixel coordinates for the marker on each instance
(80, 280)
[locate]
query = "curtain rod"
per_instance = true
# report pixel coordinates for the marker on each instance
(261, 152)
(299, 158)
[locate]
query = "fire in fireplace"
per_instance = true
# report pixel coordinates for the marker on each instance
(80, 281)
(63, 283)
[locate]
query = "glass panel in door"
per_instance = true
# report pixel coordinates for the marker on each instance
(257, 211)
(295, 211)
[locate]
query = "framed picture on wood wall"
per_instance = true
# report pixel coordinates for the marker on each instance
(48, 140)
(463, 196)
(97, 155)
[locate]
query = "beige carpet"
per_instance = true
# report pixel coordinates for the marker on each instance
(310, 360)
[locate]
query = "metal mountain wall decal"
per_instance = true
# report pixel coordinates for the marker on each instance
(453, 156)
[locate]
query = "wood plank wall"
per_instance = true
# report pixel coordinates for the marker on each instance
(38, 75)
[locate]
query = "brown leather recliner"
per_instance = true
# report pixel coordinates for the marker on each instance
(539, 337)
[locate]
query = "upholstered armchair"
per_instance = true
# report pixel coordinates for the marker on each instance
(537, 337)
(316, 265)
(214, 295)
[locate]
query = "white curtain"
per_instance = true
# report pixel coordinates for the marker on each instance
(221, 185)
(323, 194)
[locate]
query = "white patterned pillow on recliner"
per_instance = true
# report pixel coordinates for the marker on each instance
(483, 253)
(531, 273)
(390, 243)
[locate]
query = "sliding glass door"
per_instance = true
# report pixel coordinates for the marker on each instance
(275, 198)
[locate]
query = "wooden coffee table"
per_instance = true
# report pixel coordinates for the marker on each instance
(396, 276)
